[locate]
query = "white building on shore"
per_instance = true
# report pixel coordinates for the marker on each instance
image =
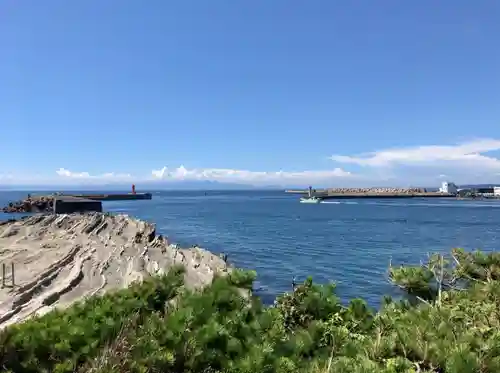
(448, 188)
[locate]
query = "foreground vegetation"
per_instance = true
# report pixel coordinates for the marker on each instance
(449, 322)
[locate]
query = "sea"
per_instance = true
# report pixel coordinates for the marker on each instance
(349, 242)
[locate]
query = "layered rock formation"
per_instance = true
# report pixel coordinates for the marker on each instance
(59, 259)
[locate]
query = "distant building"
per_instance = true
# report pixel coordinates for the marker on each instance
(485, 190)
(481, 192)
(448, 187)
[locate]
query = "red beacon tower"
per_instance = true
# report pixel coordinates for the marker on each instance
(133, 188)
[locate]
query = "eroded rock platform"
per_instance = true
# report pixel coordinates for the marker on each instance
(59, 259)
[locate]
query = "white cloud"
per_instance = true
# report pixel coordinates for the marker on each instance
(85, 175)
(68, 177)
(67, 173)
(468, 162)
(221, 175)
(466, 155)
(251, 177)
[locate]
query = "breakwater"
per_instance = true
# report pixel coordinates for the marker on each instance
(371, 190)
(387, 195)
(113, 196)
(30, 204)
(69, 204)
(45, 203)
(341, 193)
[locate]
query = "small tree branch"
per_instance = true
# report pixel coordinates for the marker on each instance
(440, 284)
(422, 300)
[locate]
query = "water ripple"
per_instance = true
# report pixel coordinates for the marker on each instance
(349, 242)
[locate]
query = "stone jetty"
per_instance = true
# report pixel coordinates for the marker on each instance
(30, 204)
(374, 190)
(362, 191)
(59, 259)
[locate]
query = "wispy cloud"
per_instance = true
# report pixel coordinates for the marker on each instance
(465, 155)
(427, 165)
(85, 175)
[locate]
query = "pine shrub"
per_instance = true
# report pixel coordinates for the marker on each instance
(449, 322)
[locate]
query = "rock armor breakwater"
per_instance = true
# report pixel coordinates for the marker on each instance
(374, 190)
(59, 259)
(30, 204)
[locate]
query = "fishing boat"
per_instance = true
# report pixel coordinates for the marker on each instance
(310, 200)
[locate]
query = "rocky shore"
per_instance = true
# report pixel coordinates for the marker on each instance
(59, 259)
(30, 204)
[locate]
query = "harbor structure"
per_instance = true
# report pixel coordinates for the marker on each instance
(496, 191)
(346, 193)
(112, 196)
(448, 187)
(67, 203)
(492, 192)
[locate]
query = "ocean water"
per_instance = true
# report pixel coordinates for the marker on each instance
(350, 242)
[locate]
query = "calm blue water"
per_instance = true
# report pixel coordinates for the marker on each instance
(350, 242)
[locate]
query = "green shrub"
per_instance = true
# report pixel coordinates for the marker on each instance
(451, 324)
(61, 340)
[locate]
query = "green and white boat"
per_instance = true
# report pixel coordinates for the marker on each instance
(310, 200)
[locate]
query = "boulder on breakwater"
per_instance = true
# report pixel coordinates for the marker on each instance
(375, 190)
(30, 204)
(59, 259)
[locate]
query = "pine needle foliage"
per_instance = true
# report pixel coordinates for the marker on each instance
(450, 323)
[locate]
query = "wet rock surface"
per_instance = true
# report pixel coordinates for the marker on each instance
(59, 259)
(30, 204)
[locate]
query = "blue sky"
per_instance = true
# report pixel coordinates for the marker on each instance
(241, 90)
